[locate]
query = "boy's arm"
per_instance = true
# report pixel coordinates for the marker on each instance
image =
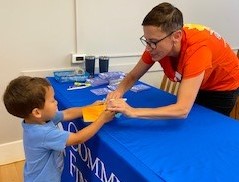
(76, 112)
(89, 131)
(72, 113)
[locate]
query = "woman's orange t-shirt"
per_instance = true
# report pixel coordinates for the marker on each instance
(202, 49)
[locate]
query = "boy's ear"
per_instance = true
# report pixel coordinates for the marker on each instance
(36, 113)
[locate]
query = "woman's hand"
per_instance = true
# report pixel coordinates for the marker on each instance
(113, 95)
(120, 106)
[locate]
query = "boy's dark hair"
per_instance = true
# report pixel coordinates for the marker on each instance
(25, 93)
(165, 16)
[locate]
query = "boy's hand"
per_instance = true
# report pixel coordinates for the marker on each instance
(106, 116)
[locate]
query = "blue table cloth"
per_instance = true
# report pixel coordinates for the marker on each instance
(202, 148)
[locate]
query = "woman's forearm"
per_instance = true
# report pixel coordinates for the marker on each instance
(170, 111)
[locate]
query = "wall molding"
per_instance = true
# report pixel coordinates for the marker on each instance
(11, 152)
(125, 67)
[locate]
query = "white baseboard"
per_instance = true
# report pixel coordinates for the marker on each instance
(11, 152)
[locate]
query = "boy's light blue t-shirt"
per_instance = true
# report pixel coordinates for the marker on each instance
(44, 146)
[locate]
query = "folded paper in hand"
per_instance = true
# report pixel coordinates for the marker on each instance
(91, 113)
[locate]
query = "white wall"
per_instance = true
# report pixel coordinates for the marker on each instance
(109, 19)
(33, 35)
(36, 37)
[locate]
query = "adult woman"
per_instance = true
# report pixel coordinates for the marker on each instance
(194, 55)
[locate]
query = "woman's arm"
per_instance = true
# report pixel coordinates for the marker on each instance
(134, 75)
(187, 93)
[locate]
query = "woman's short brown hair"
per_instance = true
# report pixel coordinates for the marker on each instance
(165, 16)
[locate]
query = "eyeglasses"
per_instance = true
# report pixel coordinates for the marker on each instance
(153, 44)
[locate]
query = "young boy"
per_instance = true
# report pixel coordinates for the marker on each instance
(32, 98)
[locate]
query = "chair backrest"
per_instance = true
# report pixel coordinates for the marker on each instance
(169, 86)
(235, 111)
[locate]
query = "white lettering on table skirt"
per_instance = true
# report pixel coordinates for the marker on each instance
(74, 170)
(95, 165)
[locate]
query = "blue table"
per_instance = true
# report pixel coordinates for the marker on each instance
(202, 148)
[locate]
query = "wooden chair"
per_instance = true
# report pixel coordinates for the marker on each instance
(235, 111)
(169, 86)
